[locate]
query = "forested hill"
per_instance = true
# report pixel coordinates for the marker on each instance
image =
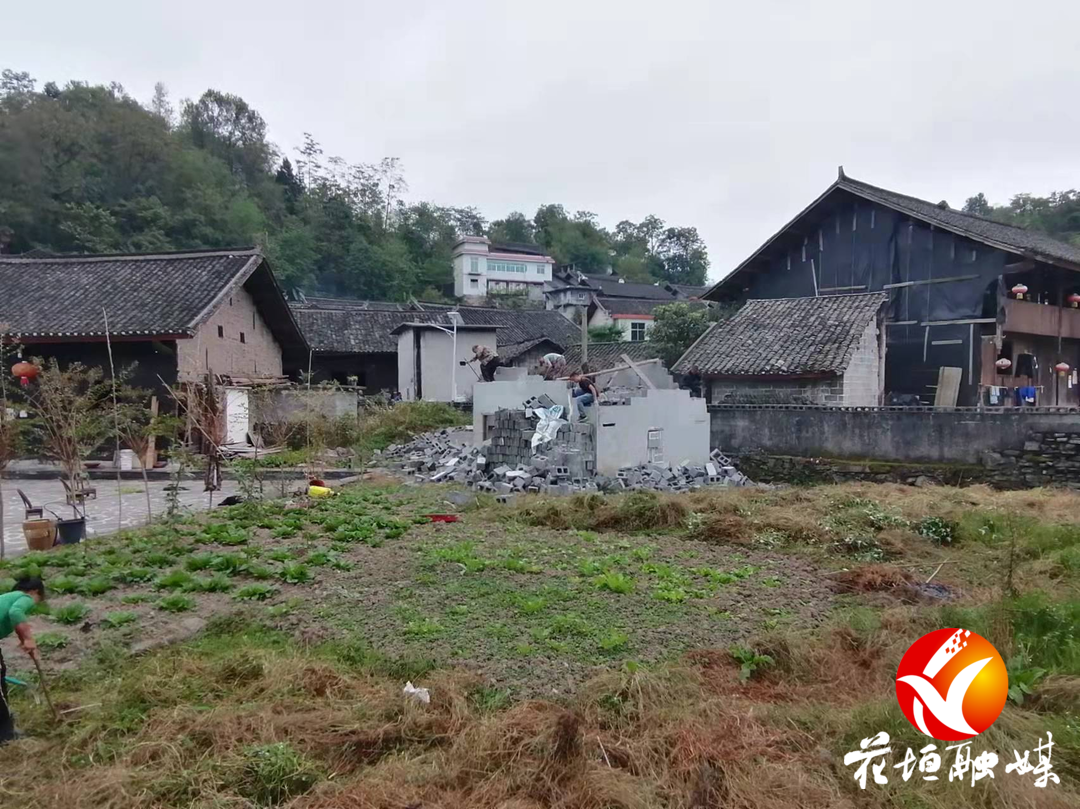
(1057, 214)
(90, 169)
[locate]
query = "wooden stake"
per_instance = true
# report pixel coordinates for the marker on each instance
(45, 687)
(116, 426)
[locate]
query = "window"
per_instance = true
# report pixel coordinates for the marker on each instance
(474, 283)
(474, 265)
(220, 331)
(540, 269)
(637, 331)
(506, 266)
(242, 338)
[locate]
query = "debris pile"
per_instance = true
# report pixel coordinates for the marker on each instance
(506, 464)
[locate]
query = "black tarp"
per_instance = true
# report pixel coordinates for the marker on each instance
(850, 245)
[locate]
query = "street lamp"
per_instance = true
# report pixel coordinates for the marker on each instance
(455, 321)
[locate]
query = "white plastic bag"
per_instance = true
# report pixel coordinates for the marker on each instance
(548, 426)
(419, 694)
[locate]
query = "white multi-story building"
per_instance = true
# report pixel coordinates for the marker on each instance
(482, 269)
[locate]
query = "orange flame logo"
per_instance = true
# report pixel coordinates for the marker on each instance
(952, 684)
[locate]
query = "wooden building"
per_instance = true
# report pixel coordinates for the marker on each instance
(949, 276)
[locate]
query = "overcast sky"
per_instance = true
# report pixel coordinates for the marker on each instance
(727, 116)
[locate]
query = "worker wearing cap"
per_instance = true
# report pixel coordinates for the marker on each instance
(552, 365)
(14, 607)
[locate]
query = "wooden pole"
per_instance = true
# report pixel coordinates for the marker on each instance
(45, 686)
(116, 427)
(584, 336)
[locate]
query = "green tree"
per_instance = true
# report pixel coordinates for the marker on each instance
(610, 333)
(230, 129)
(677, 325)
(516, 228)
(685, 259)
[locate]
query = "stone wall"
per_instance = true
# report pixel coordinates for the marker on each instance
(797, 470)
(1046, 459)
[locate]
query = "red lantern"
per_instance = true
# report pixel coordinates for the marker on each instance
(1003, 364)
(25, 371)
(1020, 290)
(1074, 301)
(1062, 368)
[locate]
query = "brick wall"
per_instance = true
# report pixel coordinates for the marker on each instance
(217, 344)
(863, 379)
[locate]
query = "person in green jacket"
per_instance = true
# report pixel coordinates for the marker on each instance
(14, 607)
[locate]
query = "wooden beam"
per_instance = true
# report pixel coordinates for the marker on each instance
(1020, 266)
(948, 280)
(842, 289)
(648, 382)
(961, 322)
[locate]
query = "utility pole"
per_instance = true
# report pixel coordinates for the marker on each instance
(584, 334)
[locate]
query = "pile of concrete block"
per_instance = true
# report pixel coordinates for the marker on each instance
(506, 466)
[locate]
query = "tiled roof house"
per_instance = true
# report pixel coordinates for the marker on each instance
(820, 350)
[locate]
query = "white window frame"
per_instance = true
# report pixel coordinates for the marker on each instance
(634, 324)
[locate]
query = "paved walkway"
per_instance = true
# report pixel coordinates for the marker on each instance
(101, 514)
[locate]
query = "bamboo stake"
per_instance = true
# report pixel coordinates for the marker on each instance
(116, 426)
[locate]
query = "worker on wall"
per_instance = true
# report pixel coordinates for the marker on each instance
(488, 360)
(14, 607)
(552, 365)
(585, 393)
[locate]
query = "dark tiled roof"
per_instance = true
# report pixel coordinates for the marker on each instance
(637, 306)
(1010, 237)
(689, 291)
(356, 331)
(608, 355)
(150, 295)
(346, 329)
(612, 288)
(511, 351)
(785, 337)
(318, 302)
(517, 247)
(523, 325)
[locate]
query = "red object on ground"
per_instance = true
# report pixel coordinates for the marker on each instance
(444, 517)
(316, 482)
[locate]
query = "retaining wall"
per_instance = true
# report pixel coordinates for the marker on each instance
(927, 435)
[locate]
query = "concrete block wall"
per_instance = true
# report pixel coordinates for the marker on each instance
(778, 391)
(864, 379)
(508, 392)
(622, 437)
(510, 434)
